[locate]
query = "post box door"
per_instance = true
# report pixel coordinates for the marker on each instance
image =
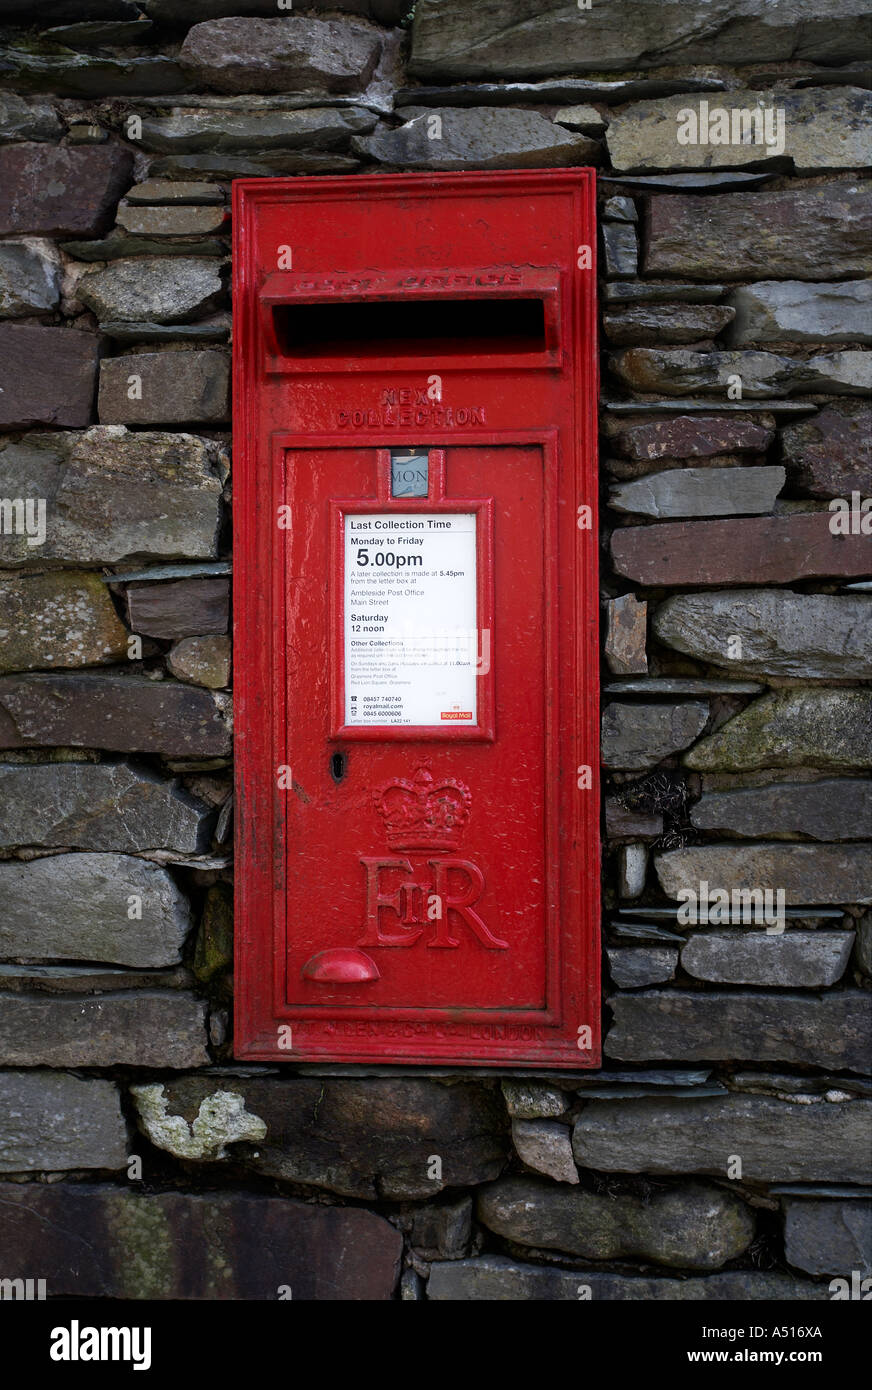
(424, 885)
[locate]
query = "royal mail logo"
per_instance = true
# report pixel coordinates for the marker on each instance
(456, 714)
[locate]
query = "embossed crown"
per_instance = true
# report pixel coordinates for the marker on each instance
(423, 813)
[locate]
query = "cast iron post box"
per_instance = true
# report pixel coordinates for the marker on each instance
(416, 619)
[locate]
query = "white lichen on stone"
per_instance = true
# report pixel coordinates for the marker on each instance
(222, 1119)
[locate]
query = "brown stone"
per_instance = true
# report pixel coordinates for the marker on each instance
(696, 436)
(202, 661)
(133, 1028)
(625, 823)
(830, 455)
(752, 550)
(124, 713)
(61, 190)
(795, 234)
(179, 607)
(165, 388)
(625, 636)
(107, 1242)
(49, 376)
(58, 618)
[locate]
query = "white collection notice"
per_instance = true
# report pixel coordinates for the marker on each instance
(411, 627)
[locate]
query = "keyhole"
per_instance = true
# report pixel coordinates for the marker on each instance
(338, 766)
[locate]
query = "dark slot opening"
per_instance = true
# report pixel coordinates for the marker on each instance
(411, 328)
(338, 766)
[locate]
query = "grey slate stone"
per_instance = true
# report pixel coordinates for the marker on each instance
(826, 1237)
(633, 864)
(186, 131)
(168, 388)
(76, 906)
(477, 137)
(566, 89)
(57, 619)
(636, 966)
(667, 323)
(589, 121)
(442, 1230)
(50, 1120)
(110, 1242)
(620, 209)
(494, 1278)
(546, 1147)
(29, 278)
(288, 54)
(159, 289)
(177, 220)
(696, 1226)
(623, 292)
(863, 954)
(676, 371)
(132, 1028)
(773, 311)
(185, 12)
(123, 713)
(268, 165)
(823, 129)
(794, 960)
(637, 736)
(514, 38)
(620, 250)
(808, 874)
(826, 729)
(114, 495)
(533, 1100)
(714, 181)
(829, 1030)
(161, 191)
(776, 632)
(700, 492)
(681, 685)
(777, 1140)
(27, 120)
(42, 68)
(833, 809)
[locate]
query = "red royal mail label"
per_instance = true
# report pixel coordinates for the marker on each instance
(455, 714)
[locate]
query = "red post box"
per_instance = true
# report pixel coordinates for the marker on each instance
(416, 611)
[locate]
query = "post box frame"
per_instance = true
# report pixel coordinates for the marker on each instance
(260, 682)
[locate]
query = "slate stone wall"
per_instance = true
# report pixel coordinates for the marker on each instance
(723, 1149)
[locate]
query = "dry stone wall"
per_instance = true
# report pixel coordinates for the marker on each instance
(722, 1152)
